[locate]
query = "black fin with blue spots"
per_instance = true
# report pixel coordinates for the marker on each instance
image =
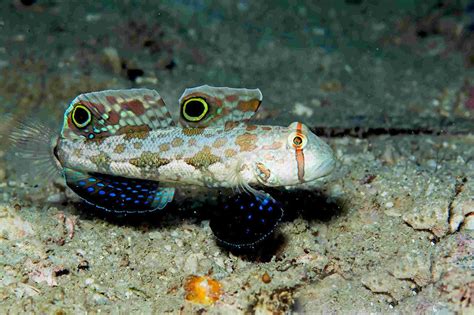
(119, 194)
(245, 220)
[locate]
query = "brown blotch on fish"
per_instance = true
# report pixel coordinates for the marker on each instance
(203, 158)
(192, 131)
(230, 125)
(269, 157)
(192, 142)
(246, 142)
(138, 145)
(266, 128)
(274, 146)
(230, 153)
(134, 132)
(177, 142)
(231, 98)
(99, 140)
(251, 128)
(111, 99)
(119, 148)
(149, 159)
(114, 118)
(248, 106)
(220, 142)
(135, 106)
(102, 161)
(164, 147)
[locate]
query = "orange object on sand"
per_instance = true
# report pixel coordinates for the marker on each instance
(202, 290)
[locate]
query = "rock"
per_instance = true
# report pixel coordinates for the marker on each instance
(469, 223)
(191, 264)
(462, 208)
(279, 301)
(93, 17)
(24, 290)
(42, 273)
(458, 287)
(384, 283)
(331, 86)
(146, 80)
(417, 268)
(12, 226)
(431, 215)
(100, 299)
(56, 198)
(388, 155)
(301, 110)
(112, 59)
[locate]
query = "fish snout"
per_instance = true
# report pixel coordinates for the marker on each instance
(320, 160)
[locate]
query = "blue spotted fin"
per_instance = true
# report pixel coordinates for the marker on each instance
(205, 105)
(114, 112)
(118, 194)
(246, 220)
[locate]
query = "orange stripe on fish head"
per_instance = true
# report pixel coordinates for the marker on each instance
(300, 154)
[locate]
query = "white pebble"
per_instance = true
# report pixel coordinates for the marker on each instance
(301, 110)
(191, 264)
(89, 281)
(56, 198)
(432, 163)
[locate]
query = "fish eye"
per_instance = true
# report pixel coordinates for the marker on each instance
(81, 116)
(194, 109)
(297, 140)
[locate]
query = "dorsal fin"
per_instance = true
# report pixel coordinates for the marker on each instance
(111, 112)
(205, 105)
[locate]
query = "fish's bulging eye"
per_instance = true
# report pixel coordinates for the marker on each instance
(297, 140)
(195, 109)
(81, 116)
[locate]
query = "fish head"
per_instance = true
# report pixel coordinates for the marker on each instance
(302, 157)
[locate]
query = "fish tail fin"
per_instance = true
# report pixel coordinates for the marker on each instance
(32, 145)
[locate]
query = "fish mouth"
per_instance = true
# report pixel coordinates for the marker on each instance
(55, 152)
(325, 169)
(55, 148)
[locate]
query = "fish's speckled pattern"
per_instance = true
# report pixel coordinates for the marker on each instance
(135, 137)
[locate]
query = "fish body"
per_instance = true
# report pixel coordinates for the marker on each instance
(211, 157)
(121, 151)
